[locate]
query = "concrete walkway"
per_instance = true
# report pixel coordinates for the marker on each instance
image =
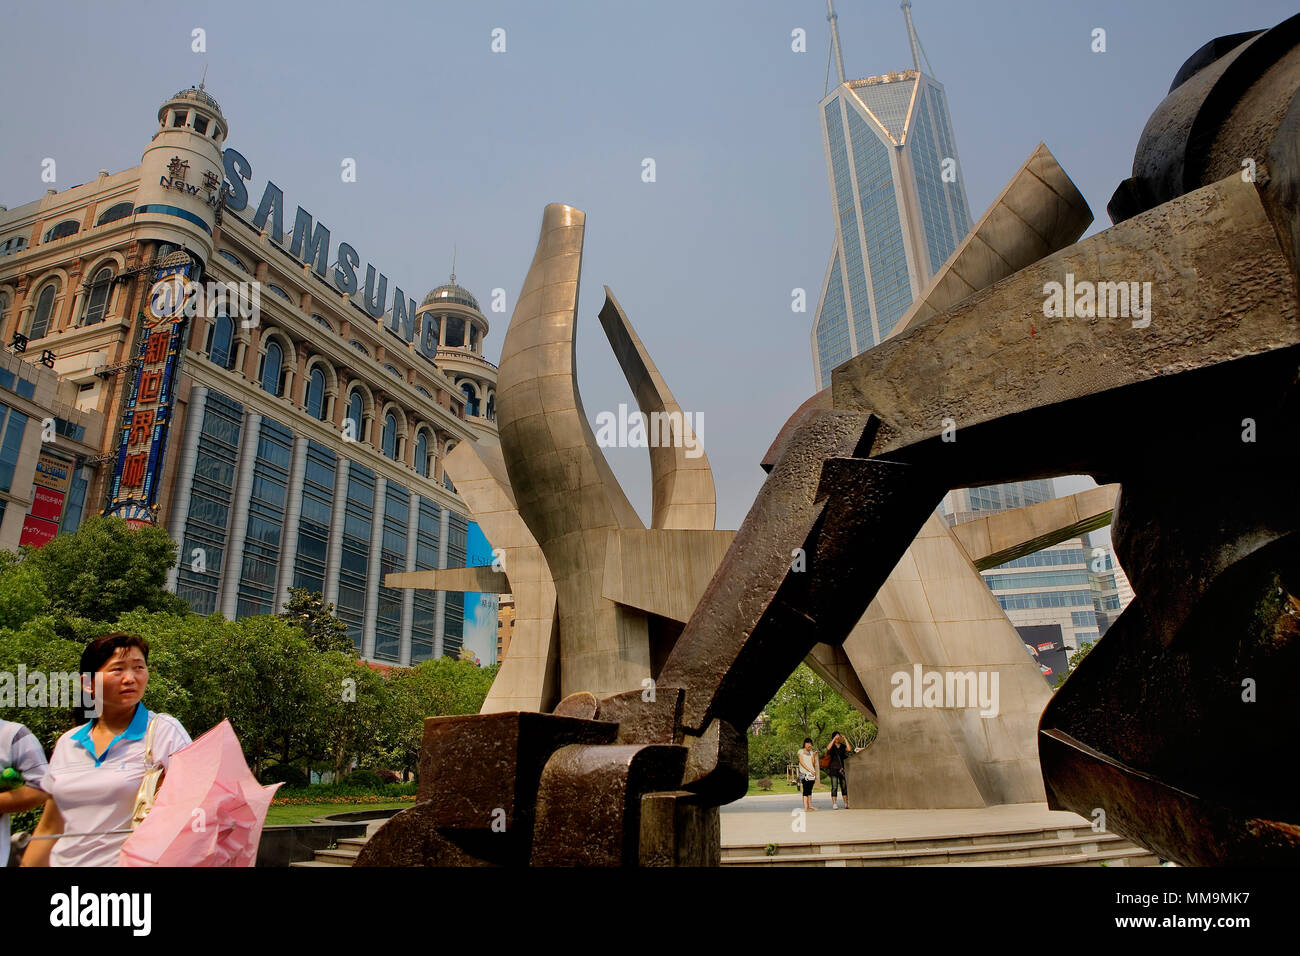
(768, 819)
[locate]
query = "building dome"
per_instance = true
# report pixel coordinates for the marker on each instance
(177, 257)
(451, 293)
(198, 96)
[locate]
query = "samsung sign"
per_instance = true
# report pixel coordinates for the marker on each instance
(310, 244)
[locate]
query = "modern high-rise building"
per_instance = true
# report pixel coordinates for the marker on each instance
(899, 207)
(181, 353)
(897, 197)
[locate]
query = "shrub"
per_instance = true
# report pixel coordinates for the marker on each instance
(767, 756)
(362, 778)
(388, 776)
(285, 773)
(765, 783)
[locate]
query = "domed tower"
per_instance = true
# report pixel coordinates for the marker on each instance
(461, 331)
(181, 173)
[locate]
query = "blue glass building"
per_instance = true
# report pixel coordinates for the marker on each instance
(898, 204)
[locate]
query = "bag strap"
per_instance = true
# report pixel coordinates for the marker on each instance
(148, 741)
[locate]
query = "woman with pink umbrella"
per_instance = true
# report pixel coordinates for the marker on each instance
(97, 769)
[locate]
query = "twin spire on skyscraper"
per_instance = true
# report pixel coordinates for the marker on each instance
(914, 41)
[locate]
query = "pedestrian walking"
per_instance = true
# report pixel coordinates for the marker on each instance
(103, 775)
(808, 771)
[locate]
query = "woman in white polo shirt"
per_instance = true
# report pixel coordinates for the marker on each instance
(96, 769)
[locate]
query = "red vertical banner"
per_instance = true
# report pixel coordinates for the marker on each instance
(150, 405)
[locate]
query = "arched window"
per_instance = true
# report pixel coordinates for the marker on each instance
(390, 436)
(272, 362)
(359, 347)
(316, 394)
(220, 341)
(44, 309)
(356, 411)
(322, 321)
(97, 302)
(233, 259)
(471, 399)
(423, 391)
(422, 454)
(115, 212)
(278, 291)
(13, 244)
(492, 407)
(392, 371)
(69, 227)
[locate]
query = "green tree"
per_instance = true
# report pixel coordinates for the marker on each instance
(354, 713)
(104, 569)
(22, 591)
(309, 612)
(37, 646)
(439, 687)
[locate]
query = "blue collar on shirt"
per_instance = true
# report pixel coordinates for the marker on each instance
(134, 731)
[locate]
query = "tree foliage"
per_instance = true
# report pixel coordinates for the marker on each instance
(105, 569)
(433, 688)
(309, 612)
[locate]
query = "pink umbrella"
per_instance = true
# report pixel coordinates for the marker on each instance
(209, 811)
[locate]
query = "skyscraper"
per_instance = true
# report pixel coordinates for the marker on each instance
(897, 196)
(899, 207)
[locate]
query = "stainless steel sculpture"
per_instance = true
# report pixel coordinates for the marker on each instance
(1172, 724)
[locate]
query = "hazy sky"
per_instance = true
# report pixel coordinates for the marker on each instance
(456, 144)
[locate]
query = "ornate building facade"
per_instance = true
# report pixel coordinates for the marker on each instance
(286, 423)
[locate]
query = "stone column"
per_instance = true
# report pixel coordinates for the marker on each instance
(408, 595)
(252, 354)
(298, 395)
(232, 566)
(293, 511)
(334, 549)
(440, 606)
(408, 446)
(372, 569)
(77, 299)
(340, 409)
(198, 332)
(180, 506)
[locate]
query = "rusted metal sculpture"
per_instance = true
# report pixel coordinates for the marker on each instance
(1175, 725)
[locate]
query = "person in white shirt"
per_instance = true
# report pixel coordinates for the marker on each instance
(19, 751)
(96, 769)
(808, 771)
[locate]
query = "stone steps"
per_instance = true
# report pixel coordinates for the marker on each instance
(1070, 846)
(1078, 846)
(345, 853)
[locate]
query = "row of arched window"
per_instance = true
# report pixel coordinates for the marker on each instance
(221, 348)
(70, 227)
(93, 308)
